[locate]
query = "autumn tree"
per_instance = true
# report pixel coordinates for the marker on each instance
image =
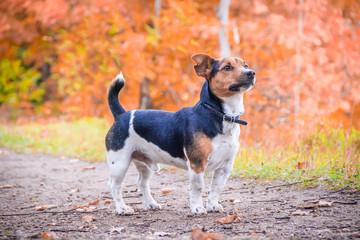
(60, 55)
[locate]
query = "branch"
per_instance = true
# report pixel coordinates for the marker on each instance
(289, 184)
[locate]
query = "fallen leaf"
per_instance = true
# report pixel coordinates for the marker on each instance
(88, 168)
(234, 200)
(94, 202)
(309, 206)
(254, 234)
(90, 209)
(117, 230)
(198, 234)
(45, 207)
(229, 219)
(325, 203)
(48, 236)
(231, 187)
(166, 191)
(87, 204)
(300, 213)
(8, 186)
(107, 201)
(88, 219)
(73, 191)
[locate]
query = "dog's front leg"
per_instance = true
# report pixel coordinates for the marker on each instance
(196, 188)
(219, 179)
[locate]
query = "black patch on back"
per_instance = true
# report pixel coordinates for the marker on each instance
(118, 133)
(161, 128)
(170, 131)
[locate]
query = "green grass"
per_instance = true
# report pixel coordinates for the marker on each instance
(84, 138)
(332, 155)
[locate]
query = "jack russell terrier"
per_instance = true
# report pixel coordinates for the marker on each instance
(200, 139)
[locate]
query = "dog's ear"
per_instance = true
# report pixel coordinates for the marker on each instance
(203, 65)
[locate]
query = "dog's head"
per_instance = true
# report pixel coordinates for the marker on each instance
(226, 76)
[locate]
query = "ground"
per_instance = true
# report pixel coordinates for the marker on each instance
(72, 198)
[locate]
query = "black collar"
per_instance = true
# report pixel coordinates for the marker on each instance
(224, 116)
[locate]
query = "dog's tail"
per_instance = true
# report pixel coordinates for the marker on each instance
(113, 92)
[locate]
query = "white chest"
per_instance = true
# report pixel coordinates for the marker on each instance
(225, 147)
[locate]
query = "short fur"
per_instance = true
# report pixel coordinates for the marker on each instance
(192, 138)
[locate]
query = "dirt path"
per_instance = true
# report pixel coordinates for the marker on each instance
(47, 180)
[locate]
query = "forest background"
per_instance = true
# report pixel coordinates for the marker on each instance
(57, 58)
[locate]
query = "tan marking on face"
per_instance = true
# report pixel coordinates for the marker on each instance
(199, 151)
(223, 79)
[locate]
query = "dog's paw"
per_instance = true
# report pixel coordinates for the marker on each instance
(198, 210)
(153, 206)
(214, 207)
(125, 210)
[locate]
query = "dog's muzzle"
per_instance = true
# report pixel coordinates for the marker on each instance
(246, 82)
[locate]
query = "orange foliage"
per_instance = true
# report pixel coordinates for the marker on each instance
(86, 43)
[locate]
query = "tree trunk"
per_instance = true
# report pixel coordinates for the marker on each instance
(223, 16)
(145, 100)
(157, 7)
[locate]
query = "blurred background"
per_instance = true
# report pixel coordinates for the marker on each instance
(57, 58)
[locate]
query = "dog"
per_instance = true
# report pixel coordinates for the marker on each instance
(200, 139)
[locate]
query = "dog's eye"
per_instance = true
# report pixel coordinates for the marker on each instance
(246, 66)
(227, 68)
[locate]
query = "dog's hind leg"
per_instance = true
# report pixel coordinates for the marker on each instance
(118, 163)
(145, 173)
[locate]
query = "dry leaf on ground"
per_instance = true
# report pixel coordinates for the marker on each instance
(8, 186)
(117, 230)
(74, 190)
(234, 200)
(322, 203)
(309, 206)
(254, 234)
(229, 219)
(48, 235)
(88, 168)
(88, 219)
(300, 213)
(88, 203)
(45, 207)
(198, 234)
(166, 190)
(315, 204)
(94, 202)
(90, 209)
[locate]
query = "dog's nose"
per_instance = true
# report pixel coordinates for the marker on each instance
(249, 73)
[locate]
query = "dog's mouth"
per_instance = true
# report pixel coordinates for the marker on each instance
(237, 87)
